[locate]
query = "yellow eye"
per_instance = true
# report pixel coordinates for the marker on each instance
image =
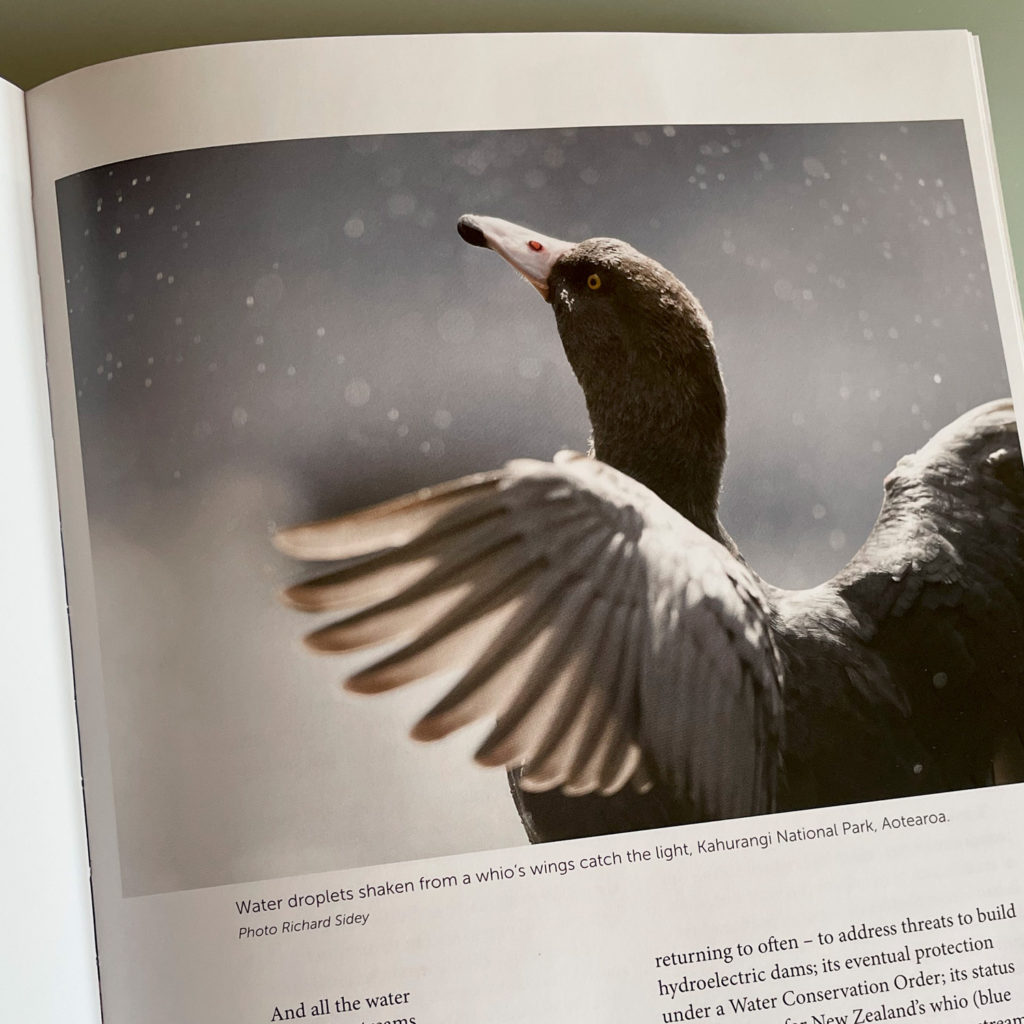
(593, 282)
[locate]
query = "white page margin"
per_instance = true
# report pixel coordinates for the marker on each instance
(47, 950)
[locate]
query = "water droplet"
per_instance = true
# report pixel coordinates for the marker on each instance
(268, 290)
(456, 326)
(814, 167)
(357, 392)
(401, 204)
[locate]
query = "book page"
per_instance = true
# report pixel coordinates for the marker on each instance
(47, 952)
(259, 313)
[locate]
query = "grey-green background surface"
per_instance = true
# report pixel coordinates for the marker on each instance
(46, 38)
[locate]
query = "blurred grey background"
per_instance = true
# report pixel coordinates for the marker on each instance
(265, 334)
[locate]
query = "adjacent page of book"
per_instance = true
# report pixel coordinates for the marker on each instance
(46, 943)
(258, 313)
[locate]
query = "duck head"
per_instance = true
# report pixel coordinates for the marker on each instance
(641, 348)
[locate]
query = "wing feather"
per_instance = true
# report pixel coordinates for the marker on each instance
(541, 693)
(602, 631)
(583, 708)
(390, 524)
(926, 623)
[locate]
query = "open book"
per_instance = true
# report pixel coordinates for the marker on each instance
(747, 802)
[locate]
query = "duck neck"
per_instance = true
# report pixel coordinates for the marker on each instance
(669, 438)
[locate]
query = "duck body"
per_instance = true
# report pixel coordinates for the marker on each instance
(903, 675)
(642, 674)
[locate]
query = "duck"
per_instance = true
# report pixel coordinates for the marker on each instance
(636, 671)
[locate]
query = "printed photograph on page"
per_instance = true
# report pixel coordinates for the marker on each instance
(744, 340)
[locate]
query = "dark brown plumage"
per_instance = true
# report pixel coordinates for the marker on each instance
(600, 610)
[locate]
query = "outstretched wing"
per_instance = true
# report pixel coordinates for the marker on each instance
(938, 589)
(610, 638)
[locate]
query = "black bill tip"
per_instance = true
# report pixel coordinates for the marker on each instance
(470, 231)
